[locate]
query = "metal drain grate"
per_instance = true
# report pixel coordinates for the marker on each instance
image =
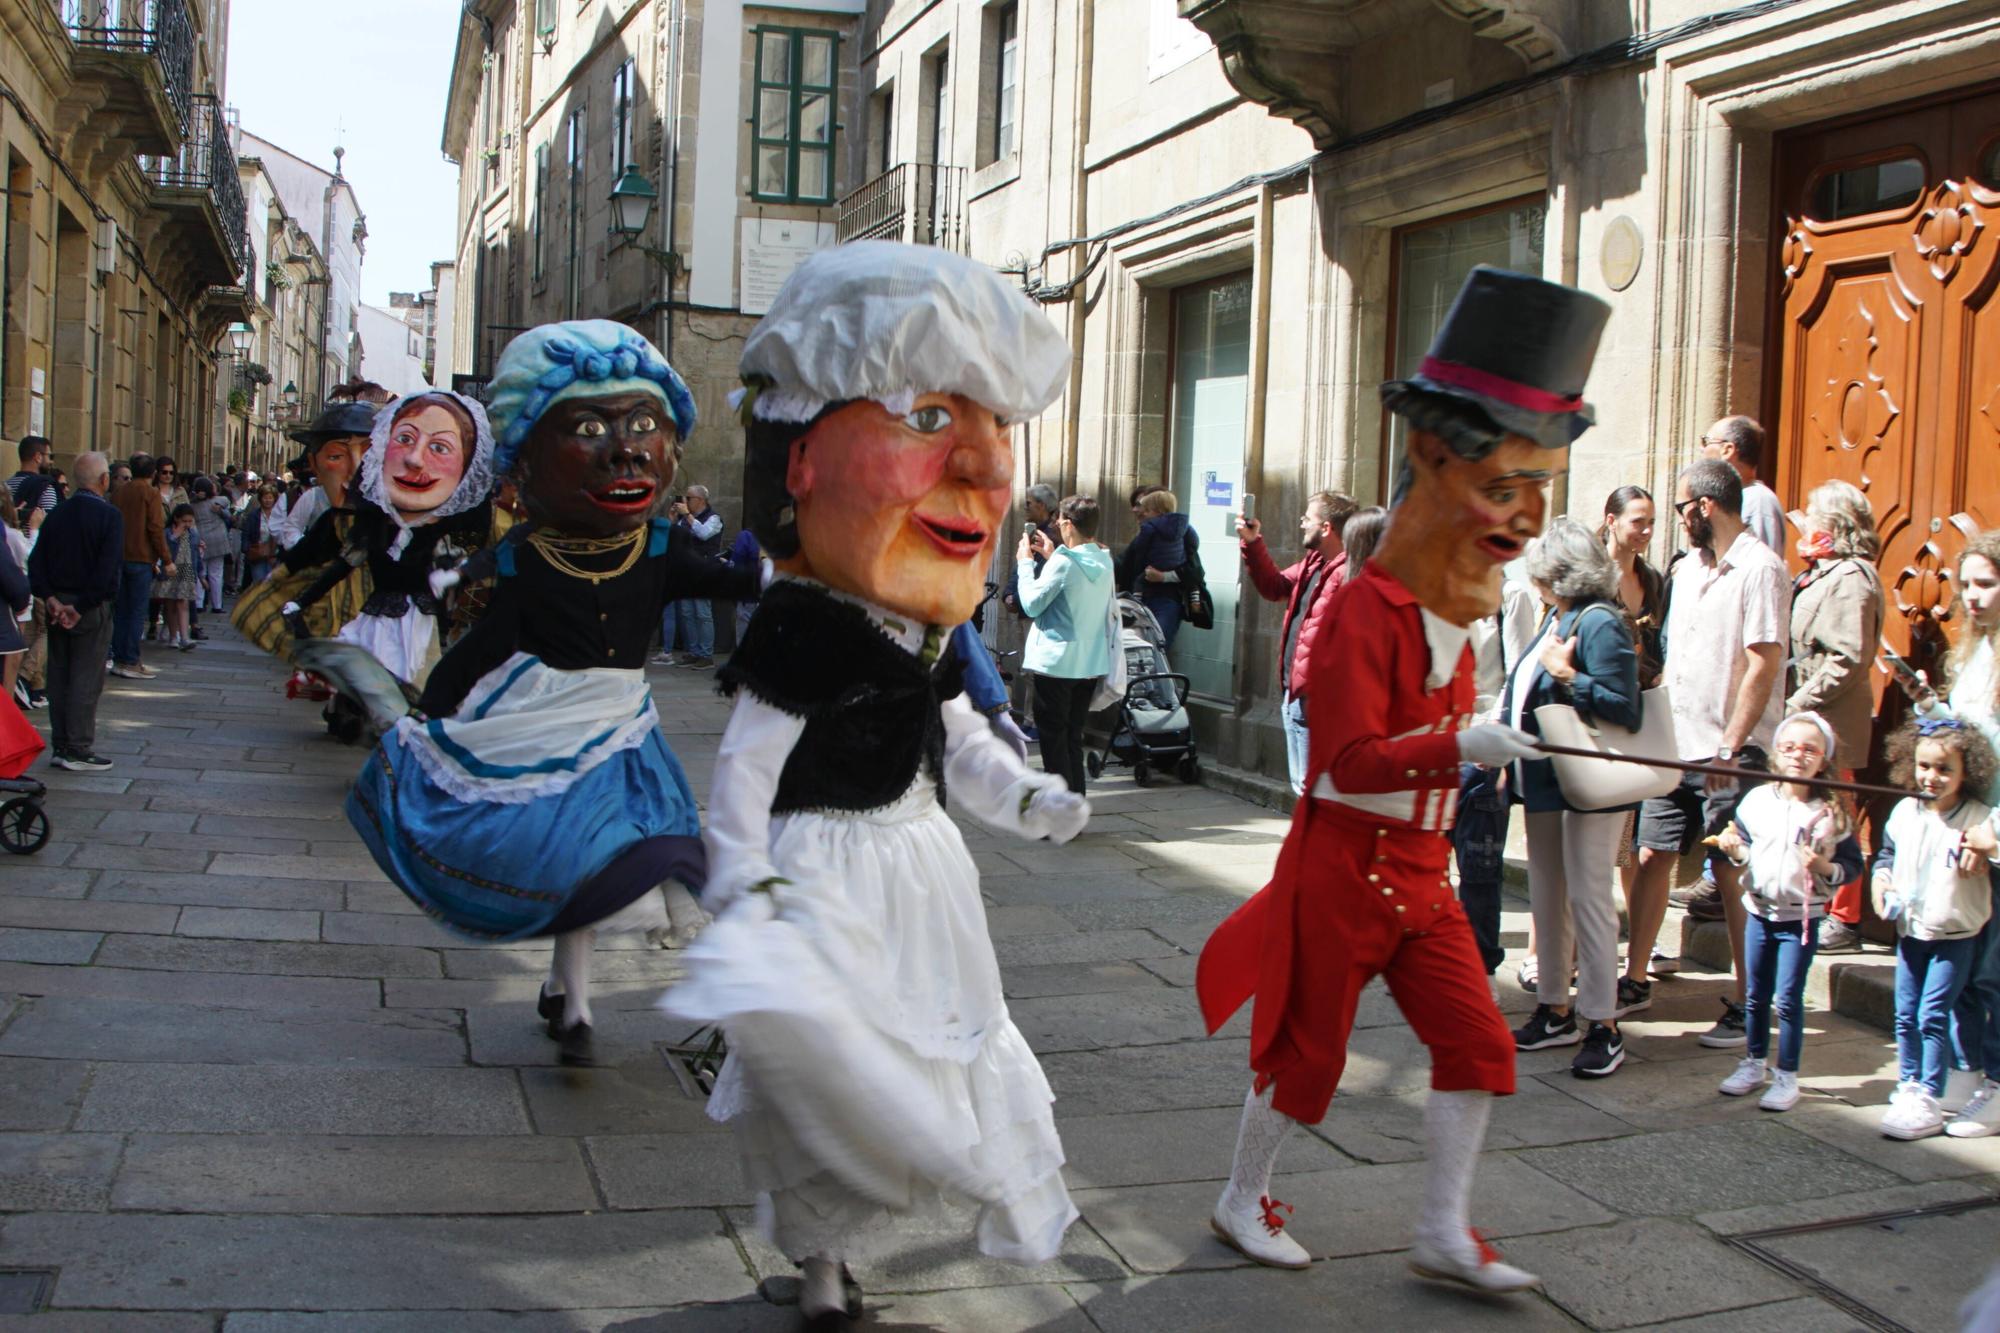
(26, 1290)
(1901, 1272)
(696, 1060)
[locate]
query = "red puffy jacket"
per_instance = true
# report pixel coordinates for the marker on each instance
(1287, 586)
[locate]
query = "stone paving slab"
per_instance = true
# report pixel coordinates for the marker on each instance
(233, 1099)
(1060, 979)
(211, 988)
(1185, 1076)
(246, 923)
(43, 881)
(306, 895)
(64, 947)
(1159, 1014)
(140, 1031)
(410, 928)
(106, 1321)
(1642, 1272)
(936, 1253)
(1803, 1315)
(1103, 946)
(65, 914)
(41, 1094)
(56, 1172)
(533, 961)
(319, 1263)
(1391, 1129)
(743, 1316)
(512, 1036)
(1856, 1131)
(1163, 1147)
(668, 1171)
(1775, 1215)
(639, 1098)
(298, 1173)
(267, 958)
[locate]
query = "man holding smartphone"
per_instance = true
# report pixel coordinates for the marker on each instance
(1306, 587)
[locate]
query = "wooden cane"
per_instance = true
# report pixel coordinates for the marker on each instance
(1731, 771)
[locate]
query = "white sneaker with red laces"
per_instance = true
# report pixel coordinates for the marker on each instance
(1257, 1231)
(1471, 1263)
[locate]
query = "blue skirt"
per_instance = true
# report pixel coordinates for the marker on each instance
(548, 803)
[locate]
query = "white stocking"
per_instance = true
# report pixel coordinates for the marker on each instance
(569, 974)
(684, 915)
(1258, 1138)
(1454, 1131)
(821, 1290)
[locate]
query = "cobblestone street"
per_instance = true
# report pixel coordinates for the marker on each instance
(245, 1086)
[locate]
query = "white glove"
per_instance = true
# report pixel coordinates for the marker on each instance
(1009, 731)
(443, 581)
(1052, 809)
(289, 609)
(1493, 744)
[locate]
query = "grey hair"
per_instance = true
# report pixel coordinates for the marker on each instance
(1848, 518)
(89, 468)
(1572, 563)
(1044, 495)
(702, 491)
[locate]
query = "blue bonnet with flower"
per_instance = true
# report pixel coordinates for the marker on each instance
(579, 358)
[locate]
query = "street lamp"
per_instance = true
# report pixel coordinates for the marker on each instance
(239, 338)
(631, 203)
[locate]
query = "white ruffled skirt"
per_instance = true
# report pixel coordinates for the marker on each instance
(872, 1063)
(406, 644)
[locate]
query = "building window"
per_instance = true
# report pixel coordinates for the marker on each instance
(576, 173)
(621, 118)
(1431, 261)
(792, 122)
(1003, 76)
(537, 218)
(545, 19)
(882, 120)
(1211, 379)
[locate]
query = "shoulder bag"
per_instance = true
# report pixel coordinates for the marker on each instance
(1604, 784)
(1199, 607)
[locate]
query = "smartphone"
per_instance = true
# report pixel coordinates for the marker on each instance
(1901, 666)
(1249, 507)
(1029, 530)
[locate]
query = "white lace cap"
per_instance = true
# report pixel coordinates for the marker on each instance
(474, 485)
(887, 321)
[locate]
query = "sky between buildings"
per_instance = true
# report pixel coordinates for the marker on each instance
(370, 75)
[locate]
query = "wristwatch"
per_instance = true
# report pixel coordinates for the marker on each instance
(1727, 754)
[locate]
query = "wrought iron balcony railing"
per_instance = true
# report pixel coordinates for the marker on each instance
(157, 28)
(914, 201)
(207, 164)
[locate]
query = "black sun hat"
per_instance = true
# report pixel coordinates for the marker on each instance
(1511, 358)
(334, 421)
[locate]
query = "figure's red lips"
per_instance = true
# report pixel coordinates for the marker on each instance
(418, 483)
(632, 496)
(960, 538)
(1500, 548)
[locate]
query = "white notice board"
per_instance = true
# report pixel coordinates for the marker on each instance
(770, 250)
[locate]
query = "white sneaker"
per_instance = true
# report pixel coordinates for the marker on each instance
(1960, 1087)
(1749, 1077)
(1782, 1095)
(1472, 1263)
(1981, 1115)
(1916, 1117)
(1258, 1231)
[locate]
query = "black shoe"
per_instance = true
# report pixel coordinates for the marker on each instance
(81, 763)
(1545, 1028)
(37, 698)
(1633, 996)
(1603, 1051)
(194, 632)
(549, 1008)
(575, 1046)
(1728, 1029)
(1706, 907)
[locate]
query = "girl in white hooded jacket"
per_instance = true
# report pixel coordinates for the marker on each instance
(1796, 848)
(1934, 878)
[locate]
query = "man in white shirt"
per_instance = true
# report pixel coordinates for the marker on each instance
(1728, 621)
(1739, 442)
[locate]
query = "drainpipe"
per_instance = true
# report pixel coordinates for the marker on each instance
(326, 254)
(1086, 36)
(670, 169)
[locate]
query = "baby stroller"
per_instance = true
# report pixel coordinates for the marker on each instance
(24, 825)
(1150, 729)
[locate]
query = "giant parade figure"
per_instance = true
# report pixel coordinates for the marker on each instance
(1362, 887)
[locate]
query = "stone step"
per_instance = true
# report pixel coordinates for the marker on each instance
(1861, 986)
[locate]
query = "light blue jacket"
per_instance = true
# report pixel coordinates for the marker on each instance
(1070, 603)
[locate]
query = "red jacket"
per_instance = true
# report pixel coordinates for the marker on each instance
(1382, 735)
(1287, 586)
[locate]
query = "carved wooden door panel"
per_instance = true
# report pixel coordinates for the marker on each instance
(1887, 337)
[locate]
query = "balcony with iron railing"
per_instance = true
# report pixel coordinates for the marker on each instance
(140, 53)
(919, 202)
(199, 190)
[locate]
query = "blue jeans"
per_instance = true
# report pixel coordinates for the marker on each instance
(1776, 957)
(1929, 976)
(1166, 608)
(695, 618)
(1975, 1019)
(128, 617)
(1294, 715)
(1479, 840)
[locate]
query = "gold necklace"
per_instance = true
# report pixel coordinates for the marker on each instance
(557, 550)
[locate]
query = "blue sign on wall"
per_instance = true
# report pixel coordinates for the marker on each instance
(1218, 492)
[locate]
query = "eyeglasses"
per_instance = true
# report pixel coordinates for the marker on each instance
(1799, 748)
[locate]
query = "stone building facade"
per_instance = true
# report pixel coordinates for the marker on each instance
(1246, 214)
(122, 238)
(272, 379)
(326, 208)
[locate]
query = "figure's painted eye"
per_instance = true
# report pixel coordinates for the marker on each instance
(592, 429)
(644, 423)
(928, 420)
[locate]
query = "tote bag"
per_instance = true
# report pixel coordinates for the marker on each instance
(1602, 784)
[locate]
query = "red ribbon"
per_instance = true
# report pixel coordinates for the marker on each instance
(1486, 384)
(1272, 1221)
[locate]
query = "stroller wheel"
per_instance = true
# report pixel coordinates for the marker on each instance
(1093, 764)
(24, 826)
(1189, 769)
(1142, 772)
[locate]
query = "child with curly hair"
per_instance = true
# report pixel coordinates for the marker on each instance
(1934, 878)
(1796, 847)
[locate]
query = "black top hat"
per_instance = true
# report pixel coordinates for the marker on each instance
(1511, 359)
(334, 421)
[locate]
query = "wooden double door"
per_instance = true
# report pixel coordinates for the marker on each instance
(1884, 365)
